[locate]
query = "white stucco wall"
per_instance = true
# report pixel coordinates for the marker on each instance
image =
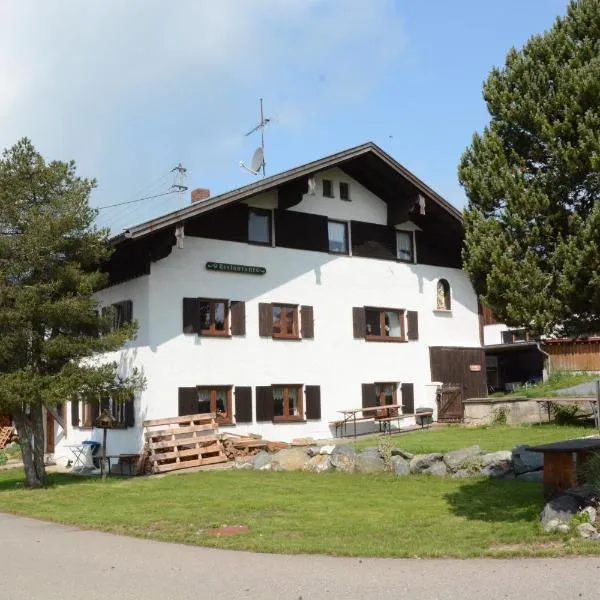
(492, 334)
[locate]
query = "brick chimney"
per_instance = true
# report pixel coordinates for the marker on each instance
(200, 194)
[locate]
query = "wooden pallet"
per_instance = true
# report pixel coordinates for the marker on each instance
(6, 431)
(183, 442)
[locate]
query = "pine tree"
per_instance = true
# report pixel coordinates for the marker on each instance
(51, 334)
(533, 182)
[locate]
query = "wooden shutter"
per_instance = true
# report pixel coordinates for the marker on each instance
(75, 413)
(313, 401)
(188, 401)
(243, 404)
(412, 317)
(130, 412)
(94, 414)
(369, 397)
(228, 223)
(408, 398)
(238, 317)
(302, 231)
(265, 320)
(373, 241)
(307, 322)
(191, 315)
(265, 406)
(358, 321)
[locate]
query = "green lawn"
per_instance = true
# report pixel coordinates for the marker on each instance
(354, 515)
(544, 389)
(492, 438)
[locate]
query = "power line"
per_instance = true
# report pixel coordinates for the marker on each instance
(137, 200)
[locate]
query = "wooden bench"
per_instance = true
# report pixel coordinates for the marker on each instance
(385, 423)
(341, 424)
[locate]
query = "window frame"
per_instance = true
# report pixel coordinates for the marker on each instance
(329, 182)
(265, 212)
(386, 338)
(227, 419)
(86, 414)
(299, 394)
(345, 252)
(411, 235)
(380, 393)
(212, 331)
(344, 185)
(295, 335)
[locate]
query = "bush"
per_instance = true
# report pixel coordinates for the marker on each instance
(590, 471)
(3, 458)
(385, 448)
(500, 415)
(565, 414)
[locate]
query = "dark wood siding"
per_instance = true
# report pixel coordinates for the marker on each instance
(243, 404)
(229, 223)
(188, 401)
(438, 248)
(130, 413)
(75, 413)
(289, 194)
(358, 322)
(369, 396)
(373, 241)
(452, 365)
(301, 231)
(412, 318)
(408, 398)
(191, 315)
(313, 402)
(265, 320)
(307, 322)
(238, 317)
(265, 407)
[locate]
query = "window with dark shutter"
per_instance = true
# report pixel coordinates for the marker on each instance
(358, 322)
(264, 403)
(369, 397)
(243, 404)
(188, 401)
(265, 320)
(373, 241)
(412, 317)
(75, 413)
(307, 322)
(408, 398)
(129, 413)
(301, 231)
(313, 402)
(238, 317)
(191, 315)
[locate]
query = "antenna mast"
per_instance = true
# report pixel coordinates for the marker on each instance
(258, 160)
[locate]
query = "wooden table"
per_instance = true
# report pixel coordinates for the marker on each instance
(562, 461)
(350, 414)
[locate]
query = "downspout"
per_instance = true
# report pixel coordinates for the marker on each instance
(547, 362)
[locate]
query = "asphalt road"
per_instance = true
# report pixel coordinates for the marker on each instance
(43, 561)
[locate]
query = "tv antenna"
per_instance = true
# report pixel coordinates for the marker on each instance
(258, 158)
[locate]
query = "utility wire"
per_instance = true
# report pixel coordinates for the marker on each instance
(136, 200)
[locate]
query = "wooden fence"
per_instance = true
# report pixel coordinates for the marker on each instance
(569, 355)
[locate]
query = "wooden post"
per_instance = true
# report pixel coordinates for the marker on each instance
(559, 472)
(103, 466)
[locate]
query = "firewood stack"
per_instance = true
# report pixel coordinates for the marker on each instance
(7, 431)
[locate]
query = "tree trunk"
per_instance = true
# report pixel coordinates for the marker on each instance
(31, 438)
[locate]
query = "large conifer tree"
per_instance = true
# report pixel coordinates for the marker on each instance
(533, 181)
(51, 335)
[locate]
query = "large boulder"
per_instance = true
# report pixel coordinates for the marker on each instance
(463, 458)
(369, 462)
(584, 494)
(317, 464)
(496, 464)
(438, 469)
(559, 510)
(403, 453)
(525, 461)
(343, 459)
(586, 531)
(292, 459)
(262, 461)
(400, 466)
(531, 477)
(422, 462)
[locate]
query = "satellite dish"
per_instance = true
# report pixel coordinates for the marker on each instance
(256, 163)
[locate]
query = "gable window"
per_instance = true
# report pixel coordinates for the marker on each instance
(284, 321)
(338, 237)
(259, 226)
(287, 402)
(384, 324)
(404, 246)
(217, 400)
(214, 317)
(443, 301)
(328, 188)
(344, 191)
(512, 336)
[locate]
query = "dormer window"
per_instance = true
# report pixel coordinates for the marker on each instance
(344, 191)
(327, 188)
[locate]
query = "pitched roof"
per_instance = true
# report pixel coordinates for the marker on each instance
(346, 158)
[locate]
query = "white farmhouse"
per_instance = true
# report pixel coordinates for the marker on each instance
(334, 285)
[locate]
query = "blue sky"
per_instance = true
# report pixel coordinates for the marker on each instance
(128, 89)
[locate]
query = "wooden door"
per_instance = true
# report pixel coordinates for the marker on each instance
(462, 370)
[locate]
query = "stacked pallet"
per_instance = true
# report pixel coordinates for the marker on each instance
(183, 442)
(7, 431)
(240, 446)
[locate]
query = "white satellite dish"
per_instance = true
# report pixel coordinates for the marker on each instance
(256, 163)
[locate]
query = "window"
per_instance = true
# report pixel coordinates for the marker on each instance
(513, 336)
(216, 399)
(287, 402)
(338, 237)
(386, 395)
(443, 301)
(384, 324)
(344, 191)
(404, 246)
(122, 410)
(86, 414)
(285, 321)
(214, 317)
(122, 313)
(259, 226)
(327, 188)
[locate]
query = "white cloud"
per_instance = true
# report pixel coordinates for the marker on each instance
(127, 88)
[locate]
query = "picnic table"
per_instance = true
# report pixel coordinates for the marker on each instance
(379, 413)
(562, 461)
